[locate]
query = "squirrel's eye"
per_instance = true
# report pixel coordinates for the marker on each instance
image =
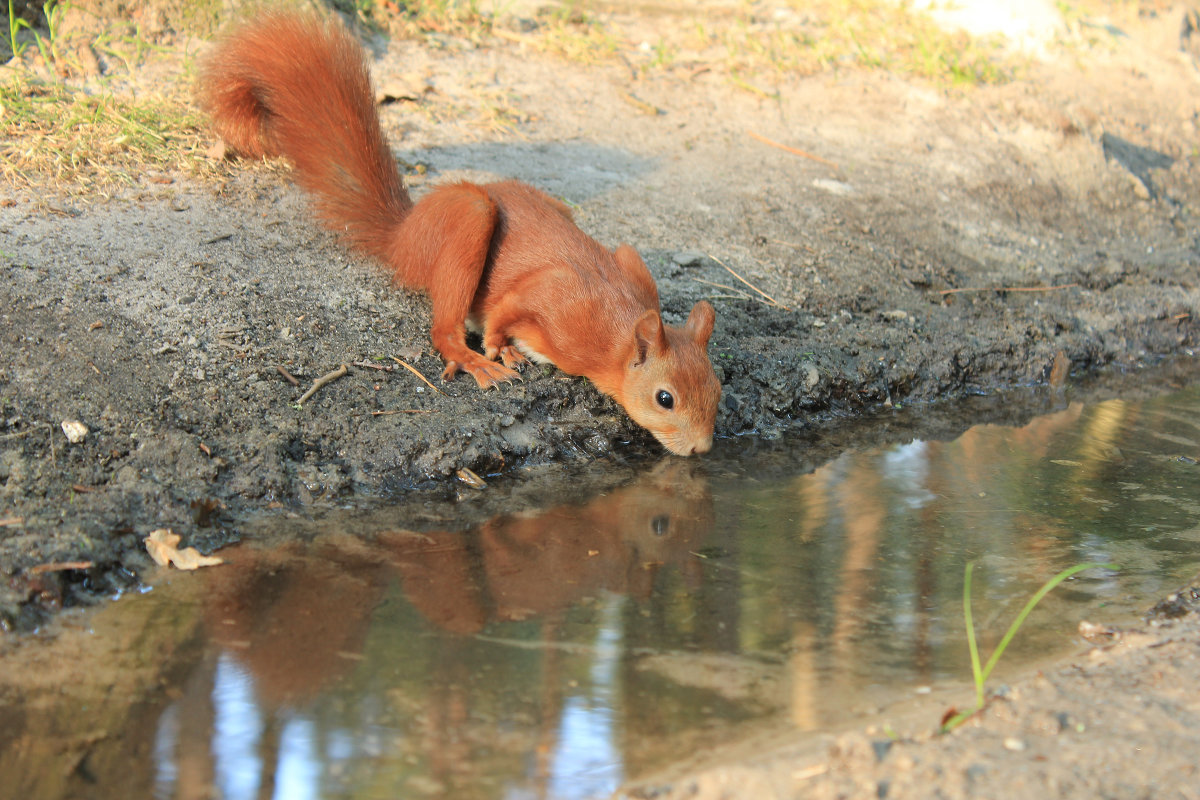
(664, 399)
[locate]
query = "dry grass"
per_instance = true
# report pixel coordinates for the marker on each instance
(72, 142)
(74, 127)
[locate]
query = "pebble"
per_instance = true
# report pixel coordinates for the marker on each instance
(811, 377)
(75, 430)
(687, 258)
(1014, 744)
(833, 187)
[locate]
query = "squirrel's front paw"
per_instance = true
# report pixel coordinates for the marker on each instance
(511, 356)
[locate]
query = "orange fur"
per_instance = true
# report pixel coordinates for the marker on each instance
(504, 256)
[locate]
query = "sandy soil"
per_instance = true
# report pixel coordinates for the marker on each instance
(159, 318)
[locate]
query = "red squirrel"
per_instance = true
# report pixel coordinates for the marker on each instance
(504, 258)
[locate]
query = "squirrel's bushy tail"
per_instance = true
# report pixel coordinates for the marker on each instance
(298, 86)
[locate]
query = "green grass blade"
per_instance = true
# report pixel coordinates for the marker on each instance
(1033, 601)
(972, 646)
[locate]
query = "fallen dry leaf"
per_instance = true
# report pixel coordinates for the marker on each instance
(468, 477)
(162, 545)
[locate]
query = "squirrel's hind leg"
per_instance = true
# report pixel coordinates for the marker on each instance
(443, 246)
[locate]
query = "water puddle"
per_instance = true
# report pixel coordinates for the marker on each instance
(559, 653)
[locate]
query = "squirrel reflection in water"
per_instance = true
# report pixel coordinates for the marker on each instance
(521, 566)
(297, 617)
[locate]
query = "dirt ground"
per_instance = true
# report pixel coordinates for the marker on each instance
(160, 318)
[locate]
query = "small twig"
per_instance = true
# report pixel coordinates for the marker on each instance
(416, 372)
(81, 489)
(641, 105)
(770, 300)
(736, 292)
(369, 365)
(94, 367)
(1065, 286)
(289, 377)
(329, 377)
(1010, 289)
(750, 87)
(7, 522)
(810, 772)
(400, 411)
(795, 245)
(794, 151)
(60, 566)
(20, 434)
(512, 36)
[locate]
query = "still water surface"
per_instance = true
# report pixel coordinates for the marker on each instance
(560, 653)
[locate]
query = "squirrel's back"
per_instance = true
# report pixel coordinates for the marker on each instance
(298, 86)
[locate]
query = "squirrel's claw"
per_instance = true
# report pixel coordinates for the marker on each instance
(512, 357)
(509, 355)
(486, 373)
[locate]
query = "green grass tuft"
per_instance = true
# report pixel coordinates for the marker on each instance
(981, 674)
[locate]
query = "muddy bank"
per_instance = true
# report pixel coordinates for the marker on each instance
(950, 243)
